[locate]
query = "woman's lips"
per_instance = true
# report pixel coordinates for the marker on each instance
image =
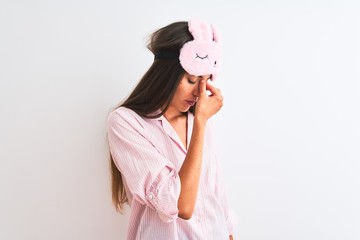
(191, 103)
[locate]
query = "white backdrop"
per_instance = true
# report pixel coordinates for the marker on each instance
(289, 132)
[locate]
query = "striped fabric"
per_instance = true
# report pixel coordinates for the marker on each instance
(149, 154)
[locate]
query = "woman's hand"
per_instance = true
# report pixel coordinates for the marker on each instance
(231, 237)
(208, 105)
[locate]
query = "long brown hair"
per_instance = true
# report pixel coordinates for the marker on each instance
(155, 89)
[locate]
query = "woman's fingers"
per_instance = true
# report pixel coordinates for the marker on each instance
(212, 89)
(208, 105)
(215, 92)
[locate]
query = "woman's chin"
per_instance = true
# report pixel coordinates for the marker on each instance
(186, 109)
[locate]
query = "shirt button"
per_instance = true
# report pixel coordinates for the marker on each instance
(150, 196)
(199, 219)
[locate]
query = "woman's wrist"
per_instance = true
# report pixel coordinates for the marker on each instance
(201, 120)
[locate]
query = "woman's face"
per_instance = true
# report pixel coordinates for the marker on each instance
(187, 93)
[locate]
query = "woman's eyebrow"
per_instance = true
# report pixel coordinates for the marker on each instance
(201, 77)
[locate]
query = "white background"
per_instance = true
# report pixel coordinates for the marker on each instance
(289, 133)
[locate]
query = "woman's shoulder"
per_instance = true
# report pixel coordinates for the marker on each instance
(122, 114)
(126, 113)
(126, 116)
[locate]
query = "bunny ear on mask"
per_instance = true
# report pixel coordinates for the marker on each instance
(201, 56)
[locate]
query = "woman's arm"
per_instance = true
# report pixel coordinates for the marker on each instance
(190, 171)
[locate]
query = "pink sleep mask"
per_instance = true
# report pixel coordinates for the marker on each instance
(201, 56)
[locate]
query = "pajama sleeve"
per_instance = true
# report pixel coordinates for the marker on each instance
(150, 177)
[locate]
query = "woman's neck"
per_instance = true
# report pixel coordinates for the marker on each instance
(174, 115)
(178, 120)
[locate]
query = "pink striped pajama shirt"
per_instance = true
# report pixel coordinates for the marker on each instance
(149, 154)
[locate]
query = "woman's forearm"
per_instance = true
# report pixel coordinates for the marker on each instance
(191, 170)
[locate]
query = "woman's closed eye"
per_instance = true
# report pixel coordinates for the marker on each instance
(191, 82)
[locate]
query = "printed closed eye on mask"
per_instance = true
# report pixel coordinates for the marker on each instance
(201, 56)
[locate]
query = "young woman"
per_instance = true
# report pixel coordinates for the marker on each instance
(163, 158)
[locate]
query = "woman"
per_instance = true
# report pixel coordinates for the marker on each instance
(162, 151)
